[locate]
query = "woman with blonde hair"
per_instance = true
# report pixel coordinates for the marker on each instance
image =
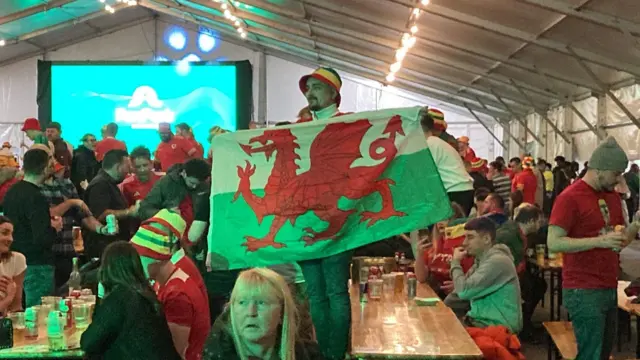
(260, 322)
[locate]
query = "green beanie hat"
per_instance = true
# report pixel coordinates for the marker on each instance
(609, 156)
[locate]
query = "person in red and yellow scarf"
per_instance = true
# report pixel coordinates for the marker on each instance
(465, 150)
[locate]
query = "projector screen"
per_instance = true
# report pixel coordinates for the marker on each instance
(83, 97)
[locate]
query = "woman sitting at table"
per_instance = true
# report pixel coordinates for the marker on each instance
(12, 268)
(259, 322)
(433, 252)
(129, 322)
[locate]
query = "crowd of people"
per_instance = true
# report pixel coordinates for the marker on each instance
(164, 297)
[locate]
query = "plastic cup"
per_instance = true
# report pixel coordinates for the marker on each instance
(81, 314)
(541, 250)
(389, 282)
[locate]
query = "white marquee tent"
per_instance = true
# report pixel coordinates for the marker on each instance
(542, 76)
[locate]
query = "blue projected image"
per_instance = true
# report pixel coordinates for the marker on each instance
(206, 42)
(139, 97)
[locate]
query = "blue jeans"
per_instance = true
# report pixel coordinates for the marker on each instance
(593, 314)
(327, 287)
(38, 282)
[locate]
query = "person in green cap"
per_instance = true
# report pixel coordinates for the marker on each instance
(586, 224)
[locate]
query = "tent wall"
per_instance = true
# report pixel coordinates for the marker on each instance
(282, 98)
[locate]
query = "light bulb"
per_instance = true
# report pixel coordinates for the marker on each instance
(416, 12)
(237, 23)
(400, 54)
(243, 35)
(240, 30)
(405, 37)
(414, 29)
(3, 42)
(425, 2)
(224, 6)
(233, 18)
(227, 14)
(390, 77)
(395, 67)
(102, 1)
(411, 42)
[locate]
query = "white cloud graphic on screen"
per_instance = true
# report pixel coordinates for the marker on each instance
(145, 110)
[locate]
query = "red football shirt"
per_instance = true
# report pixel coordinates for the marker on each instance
(176, 151)
(184, 305)
(189, 267)
(526, 182)
(577, 211)
(133, 189)
(105, 145)
(438, 258)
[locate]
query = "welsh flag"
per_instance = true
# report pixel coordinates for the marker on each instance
(316, 189)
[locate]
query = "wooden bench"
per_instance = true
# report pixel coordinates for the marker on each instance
(561, 335)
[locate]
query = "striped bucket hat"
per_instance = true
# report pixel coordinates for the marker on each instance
(438, 119)
(327, 76)
(153, 239)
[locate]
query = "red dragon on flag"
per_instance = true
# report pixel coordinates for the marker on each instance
(289, 194)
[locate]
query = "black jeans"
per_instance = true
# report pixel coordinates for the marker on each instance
(462, 198)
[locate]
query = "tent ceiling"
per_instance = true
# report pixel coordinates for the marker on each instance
(501, 58)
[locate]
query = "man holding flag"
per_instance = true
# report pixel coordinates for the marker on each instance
(327, 278)
(313, 192)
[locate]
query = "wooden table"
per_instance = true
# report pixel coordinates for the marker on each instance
(625, 304)
(554, 268)
(39, 349)
(396, 328)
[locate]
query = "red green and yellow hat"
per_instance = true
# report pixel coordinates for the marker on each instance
(438, 119)
(478, 165)
(327, 76)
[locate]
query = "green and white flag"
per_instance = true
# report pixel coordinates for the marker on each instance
(316, 189)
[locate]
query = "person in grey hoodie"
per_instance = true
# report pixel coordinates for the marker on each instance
(491, 285)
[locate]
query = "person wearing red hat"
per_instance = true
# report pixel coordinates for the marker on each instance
(327, 278)
(173, 149)
(322, 90)
(34, 132)
(525, 181)
(465, 150)
(478, 169)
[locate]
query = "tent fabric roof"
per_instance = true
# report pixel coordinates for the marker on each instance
(500, 58)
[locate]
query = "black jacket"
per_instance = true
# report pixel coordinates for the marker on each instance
(220, 345)
(128, 326)
(103, 194)
(84, 166)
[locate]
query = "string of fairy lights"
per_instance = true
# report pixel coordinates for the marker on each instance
(227, 8)
(407, 41)
(110, 9)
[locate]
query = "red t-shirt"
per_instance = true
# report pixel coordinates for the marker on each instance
(184, 305)
(105, 145)
(577, 211)
(175, 151)
(526, 182)
(133, 189)
(189, 267)
(438, 259)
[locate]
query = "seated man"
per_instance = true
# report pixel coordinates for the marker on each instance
(491, 285)
(530, 219)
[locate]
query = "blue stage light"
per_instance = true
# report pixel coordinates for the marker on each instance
(206, 42)
(191, 58)
(177, 39)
